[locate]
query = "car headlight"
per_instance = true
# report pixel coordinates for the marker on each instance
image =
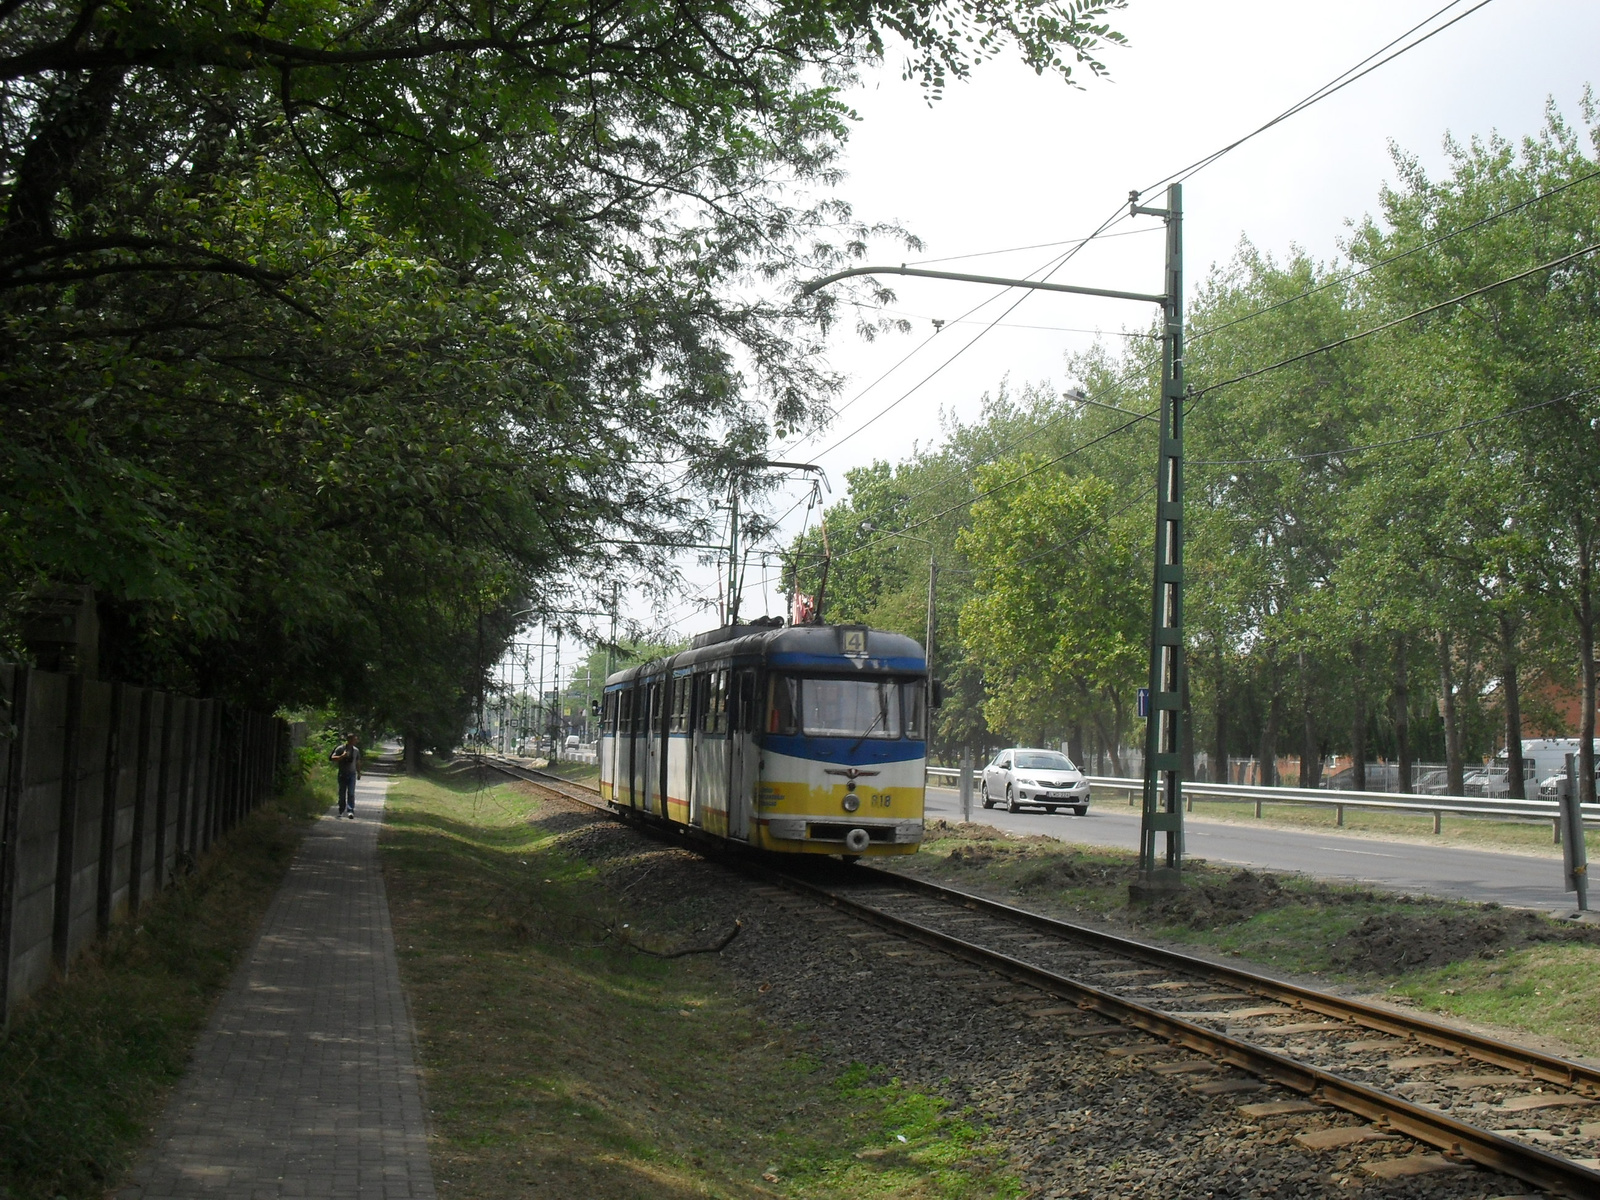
(1026, 782)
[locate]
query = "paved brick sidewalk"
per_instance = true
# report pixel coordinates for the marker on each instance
(305, 1083)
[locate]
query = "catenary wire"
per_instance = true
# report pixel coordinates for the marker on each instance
(1411, 316)
(1339, 82)
(1415, 437)
(1336, 84)
(923, 262)
(1394, 258)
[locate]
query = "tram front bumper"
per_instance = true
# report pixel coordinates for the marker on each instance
(811, 829)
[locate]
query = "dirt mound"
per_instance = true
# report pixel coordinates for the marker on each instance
(1393, 943)
(1210, 905)
(981, 855)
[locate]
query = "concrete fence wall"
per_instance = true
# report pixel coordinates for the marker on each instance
(108, 793)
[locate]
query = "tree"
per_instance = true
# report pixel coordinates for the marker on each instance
(1057, 620)
(334, 335)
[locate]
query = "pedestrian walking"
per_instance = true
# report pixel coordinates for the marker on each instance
(348, 757)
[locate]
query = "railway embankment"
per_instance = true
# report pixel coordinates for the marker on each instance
(852, 1038)
(593, 1020)
(1521, 972)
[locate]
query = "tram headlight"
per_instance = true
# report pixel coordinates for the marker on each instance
(852, 802)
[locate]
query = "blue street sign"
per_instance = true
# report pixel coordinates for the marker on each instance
(1144, 702)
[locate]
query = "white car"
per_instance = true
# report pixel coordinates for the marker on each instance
(1043, 778)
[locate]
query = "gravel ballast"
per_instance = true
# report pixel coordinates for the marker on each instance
(1081, 1111)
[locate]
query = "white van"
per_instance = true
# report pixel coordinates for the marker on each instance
(1544, 762)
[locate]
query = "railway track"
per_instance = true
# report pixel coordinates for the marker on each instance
(1510, 1108)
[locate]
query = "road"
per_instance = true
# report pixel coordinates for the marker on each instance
(1514, 880)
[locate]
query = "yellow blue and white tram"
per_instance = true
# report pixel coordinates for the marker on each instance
(804, 739)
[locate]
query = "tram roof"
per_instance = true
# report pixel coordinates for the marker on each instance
(800, 647)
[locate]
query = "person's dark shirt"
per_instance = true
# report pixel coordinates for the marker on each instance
(349, 759)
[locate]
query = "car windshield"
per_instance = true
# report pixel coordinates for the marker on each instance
(850, 707)
(1043, 760)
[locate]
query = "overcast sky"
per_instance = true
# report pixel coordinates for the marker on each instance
(1007, 159)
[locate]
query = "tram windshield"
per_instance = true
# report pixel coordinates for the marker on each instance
(850, 707)
(854, 708)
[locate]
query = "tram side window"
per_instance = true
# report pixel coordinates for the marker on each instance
(782, 705)
(717, 702)
(625, 712)
(742, 713)
(656, 690)
(682, 689)
(913, 704)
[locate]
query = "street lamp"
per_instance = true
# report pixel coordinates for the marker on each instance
(1163, 784)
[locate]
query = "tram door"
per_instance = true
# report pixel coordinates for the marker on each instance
(625, 744)
(743, 721)
(653, 751)
(697, 724)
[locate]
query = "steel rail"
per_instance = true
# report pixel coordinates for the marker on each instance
(1456, 1138)
(1525, 1060)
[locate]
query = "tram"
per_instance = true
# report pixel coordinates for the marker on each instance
(806, 739)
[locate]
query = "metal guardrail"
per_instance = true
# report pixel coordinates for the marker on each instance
(1542, 810)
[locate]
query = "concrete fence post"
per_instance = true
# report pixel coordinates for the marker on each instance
(163, 786)
(141, 804)
(105, 875)
(10, 814)
(67, 829)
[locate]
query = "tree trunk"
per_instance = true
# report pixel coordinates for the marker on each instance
(1219, 762)
(1455, 773)
(1511, 691)
(413, 753)
(1358, 720)
(1187, 746)
(1108, 743)
(1400, 703)
(1075, 744)
(1268, 754)
(1310, 752)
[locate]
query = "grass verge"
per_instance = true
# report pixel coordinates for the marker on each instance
(560, 1061)
(1518, 970)
(90, 1058)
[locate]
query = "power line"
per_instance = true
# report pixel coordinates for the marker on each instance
(923, 262)
(1048, 269)
(1361, 69)
(1337, 84)
(1415, 437)
(1412, 316)
(1394, 258)
(1123, 333)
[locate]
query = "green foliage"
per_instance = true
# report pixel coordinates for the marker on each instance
(331, 336)
(1383, 537)
(1058, 621)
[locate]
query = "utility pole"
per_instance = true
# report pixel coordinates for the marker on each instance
(1163, 784)
(611, 646)
(733, 554)
(1163, 752)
